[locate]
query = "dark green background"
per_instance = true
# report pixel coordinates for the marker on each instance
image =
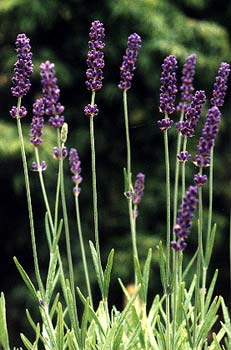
(59, 32)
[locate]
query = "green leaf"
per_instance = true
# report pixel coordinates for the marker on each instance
(26, 342)
(92, 313)
(47, 230)
(71, 311)
(50, 283)
(54, 306)
(59, 331)
(85, 319)
(210, 290)
(33, 325)
(209, 245)
(4, 339)
(146, 272)
(98, 268)
(26, 278)
(209, 321)
(190, 264)
(107, 274)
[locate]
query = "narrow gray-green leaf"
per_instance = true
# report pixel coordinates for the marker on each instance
(4, 339)
(211, 290)
(98, 267)
(26, 342)
(209, 245)
(47, 230)
(25, 278)
(107, 274)
(59, 331)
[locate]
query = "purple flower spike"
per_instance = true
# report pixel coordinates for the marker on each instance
(75, 168)
(199, 179)
(206, 142)
(138, 188)
(23, 68)
(51, 93)
(37, 123)
(187, 88)
(95, 57)
(184, 218)
(129, 62)
(187, 127)
(15, 113)
(220, 86)
(183, 156)
(91, 110)
(168, 87)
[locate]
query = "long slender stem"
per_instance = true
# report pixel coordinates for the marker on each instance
(129, 177)
(128, 144)
(168, 218)
(29, 203)
(200, 260)
(68, 243)
(83, 249)
(183, 167)
(177, 168)
(57, 187)
(210, 193)
(94, 184)
(44, 192)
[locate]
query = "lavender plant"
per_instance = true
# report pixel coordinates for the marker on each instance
(183, 317)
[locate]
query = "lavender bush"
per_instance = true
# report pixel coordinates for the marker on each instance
(184, 316)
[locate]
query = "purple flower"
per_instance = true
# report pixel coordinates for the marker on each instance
(183, 156)
(37, 123)
(138, 188)
(200, 179)
(129, 62)
(187, 88)
(187, 127)
(184, 218)
(23, 68)
(165, 124)
(206, 142)
(60, 153)
(95, 57)
(91, 110)
(168, 87)
(75, 168)
(18, 113)
(220, 86)
(41, 167)
(51, 93)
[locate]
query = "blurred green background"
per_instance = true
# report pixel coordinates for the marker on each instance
(59, 32)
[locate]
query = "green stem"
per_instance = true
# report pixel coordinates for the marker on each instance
(44, 191)
(29, 203)
(126, 120)
(200, 263)
(94, 185)
(129, 178)
(176, 184)
(168, 218)
(68, 243)
(210, 193)
(57, 187)
(183, 167)
(83, 249)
